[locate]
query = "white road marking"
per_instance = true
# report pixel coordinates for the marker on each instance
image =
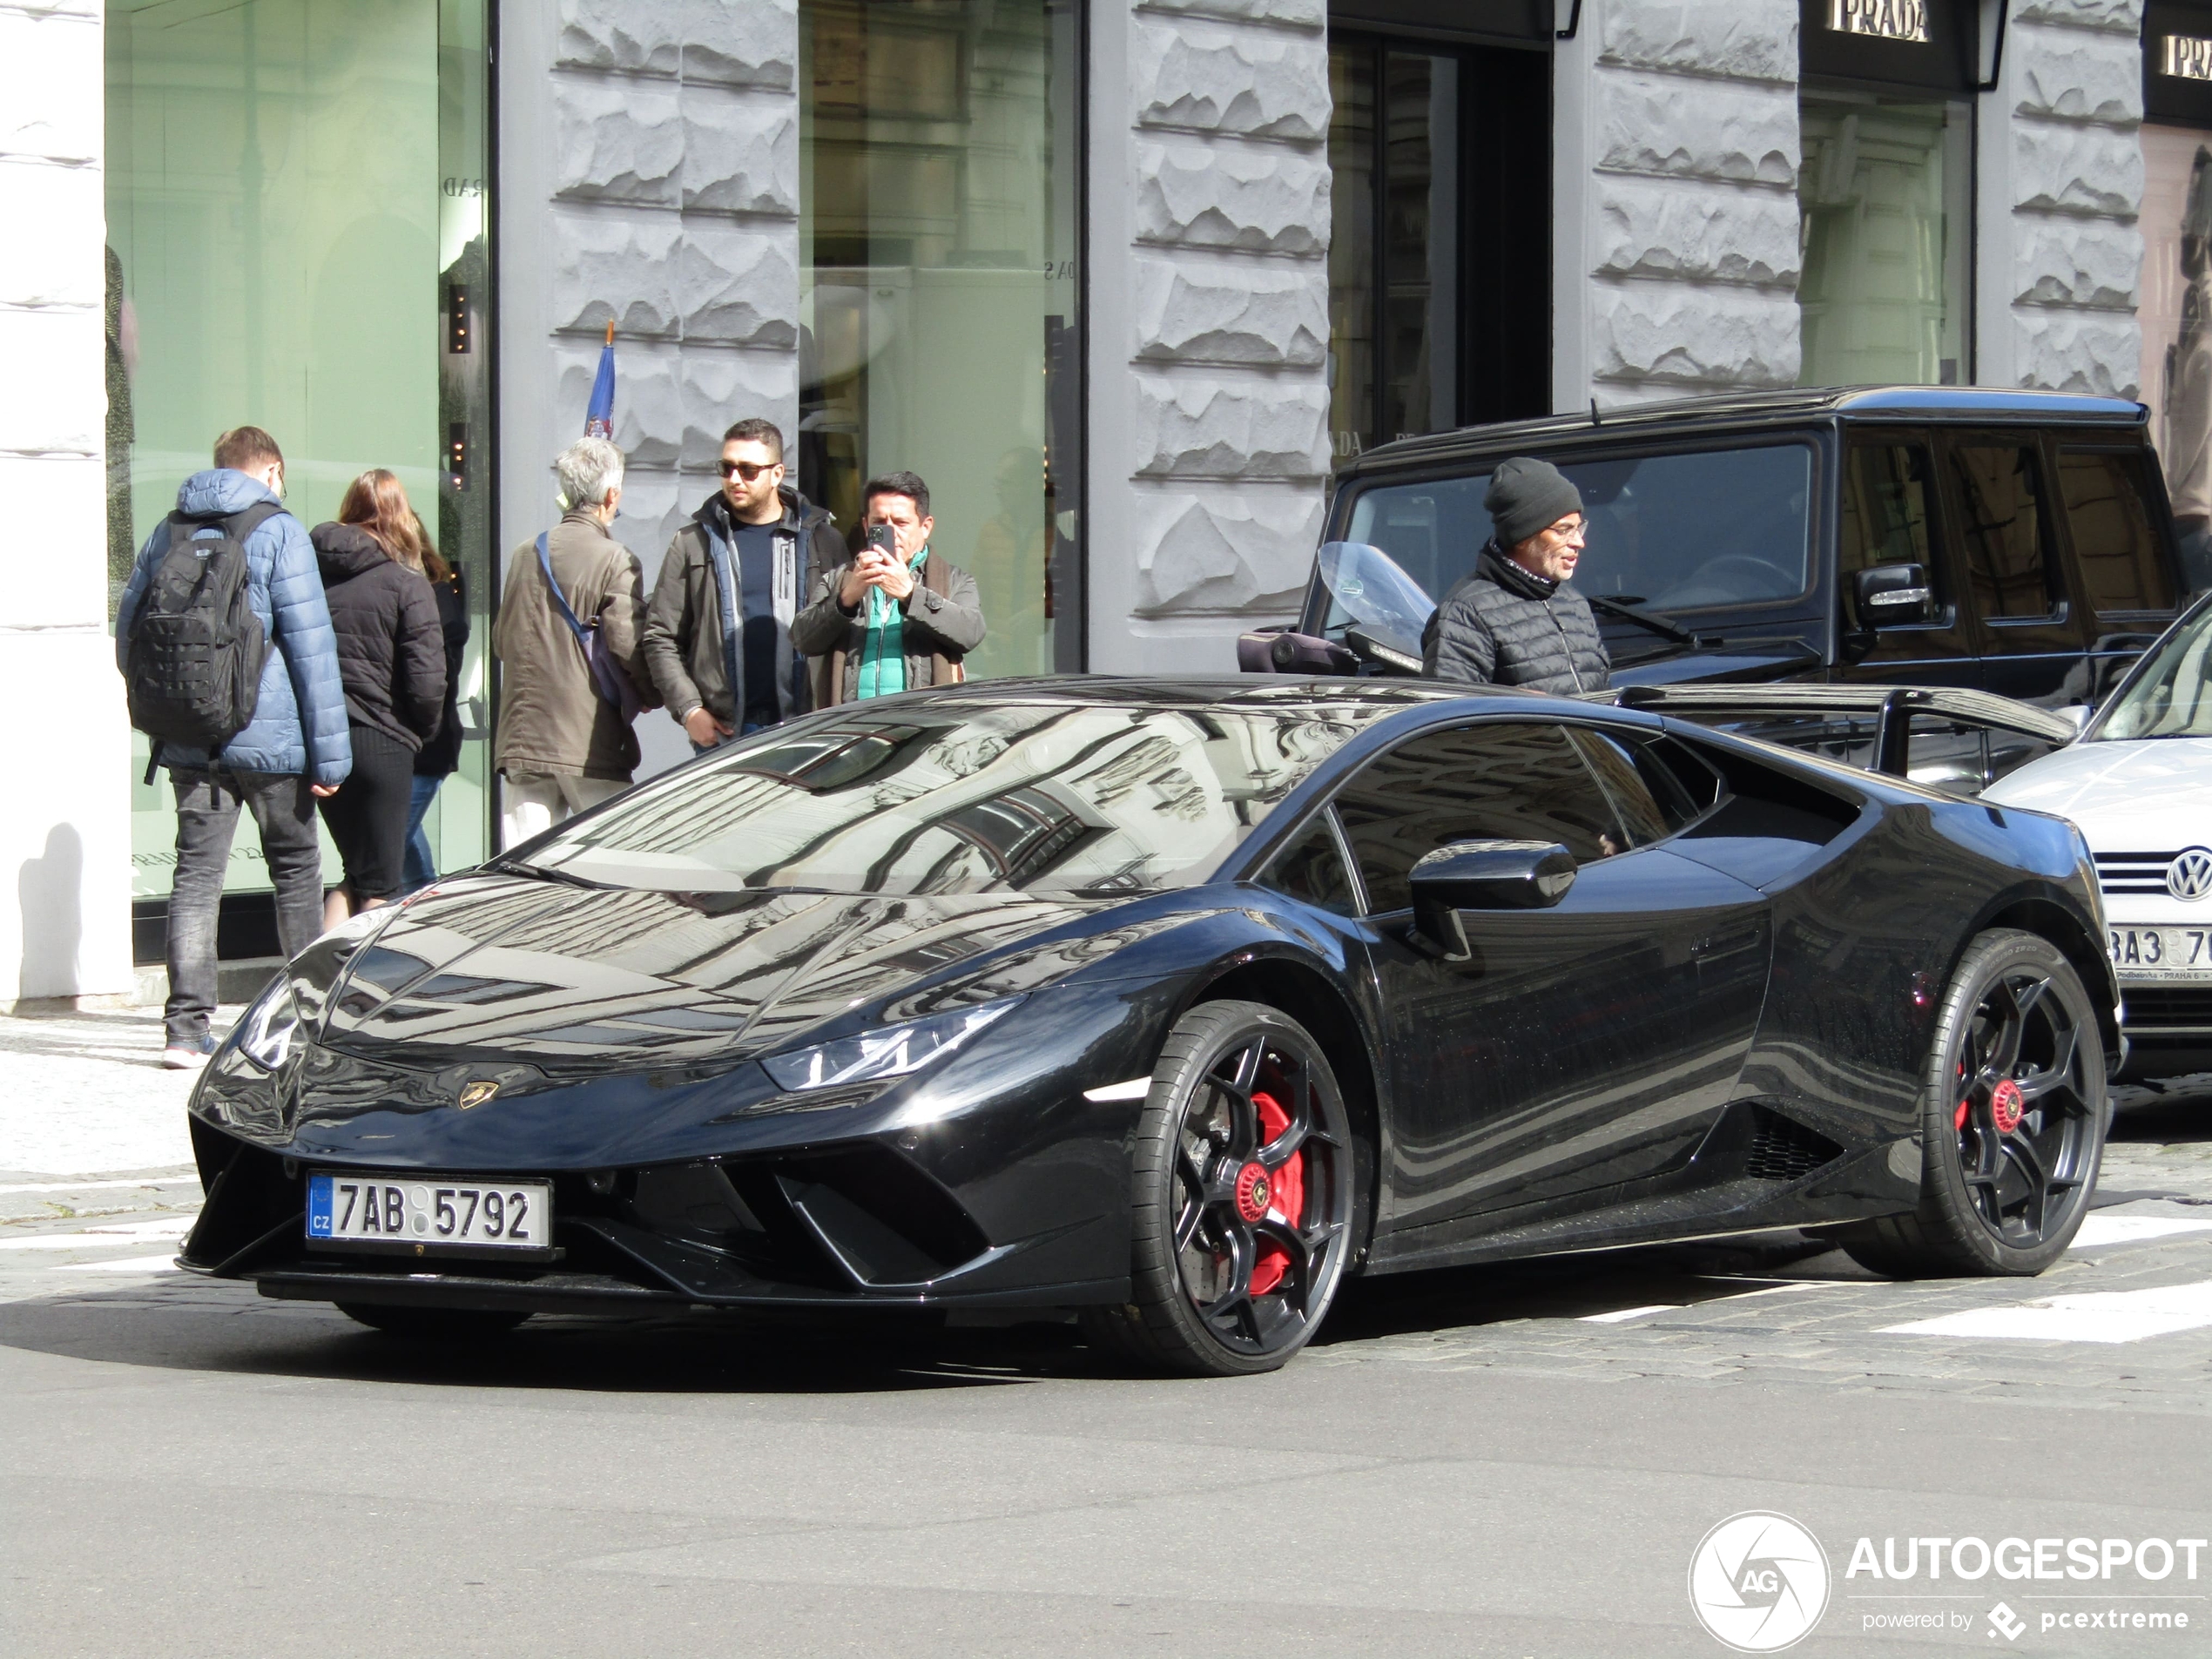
(2098, 1231)
(129, 1264)
(1620, 1314)
(1135, 1088)
(89, 1186)
(2100, 1316)
(92, 1238)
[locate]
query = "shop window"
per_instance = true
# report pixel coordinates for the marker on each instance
(298, 207)
(939, 331)
(1885, 194)
(2113, 545)
(2001, 529)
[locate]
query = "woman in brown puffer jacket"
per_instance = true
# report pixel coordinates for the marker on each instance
(391, 654)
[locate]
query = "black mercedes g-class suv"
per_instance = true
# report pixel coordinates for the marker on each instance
(2017, 543)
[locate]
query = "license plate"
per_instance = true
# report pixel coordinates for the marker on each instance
(2163, 953)
(419, 1216)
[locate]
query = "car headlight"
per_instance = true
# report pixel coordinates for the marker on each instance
(891, 1052)
(265, 1034)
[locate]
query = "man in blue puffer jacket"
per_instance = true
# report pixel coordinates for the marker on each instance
(294, 748)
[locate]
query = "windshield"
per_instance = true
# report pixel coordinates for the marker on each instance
(1374, 594)
(1676, 532)
(2170, 696)
(956, 798)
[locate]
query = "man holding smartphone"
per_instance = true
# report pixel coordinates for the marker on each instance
(717, 636)
(895, 617)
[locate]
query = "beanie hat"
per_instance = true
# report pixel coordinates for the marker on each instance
(1527, 496)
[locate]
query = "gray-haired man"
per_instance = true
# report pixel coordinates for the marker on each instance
(561, 746)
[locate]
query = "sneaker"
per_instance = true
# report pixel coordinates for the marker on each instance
(188, 1056)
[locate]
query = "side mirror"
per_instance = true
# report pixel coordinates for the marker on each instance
(1894, 596)
(1485, 875)
(2078, 715)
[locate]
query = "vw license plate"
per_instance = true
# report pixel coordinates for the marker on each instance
(419, 1215)
(2163, 953)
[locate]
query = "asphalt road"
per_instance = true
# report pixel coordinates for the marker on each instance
(1514, 1462)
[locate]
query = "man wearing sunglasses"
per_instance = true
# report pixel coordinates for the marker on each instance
(717, 631)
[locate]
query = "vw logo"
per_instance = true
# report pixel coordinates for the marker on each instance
(2189, 876)
(1758, 1583)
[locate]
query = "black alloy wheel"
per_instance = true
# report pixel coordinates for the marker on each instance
(2013, 1120)
(1244, 1196)
(453, 1325)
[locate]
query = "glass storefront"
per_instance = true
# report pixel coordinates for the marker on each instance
(1885, 191)
(297, 213)
(940, 232)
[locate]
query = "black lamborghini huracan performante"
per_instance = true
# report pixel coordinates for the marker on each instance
(1167, 1004)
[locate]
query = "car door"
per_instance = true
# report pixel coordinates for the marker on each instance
(1890, 512)
(2028, 624)
(1577, 1048)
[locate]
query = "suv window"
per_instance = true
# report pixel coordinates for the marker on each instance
(2112, 542)
(1503, 781)
(1654, 536)
(2000, 497)
(1888, 515)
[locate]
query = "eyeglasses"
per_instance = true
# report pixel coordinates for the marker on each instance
(748, 470)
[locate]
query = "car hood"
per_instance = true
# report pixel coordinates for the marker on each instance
(2153, 795)
(570, 979)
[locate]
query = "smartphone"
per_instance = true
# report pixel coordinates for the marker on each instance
(884, 540)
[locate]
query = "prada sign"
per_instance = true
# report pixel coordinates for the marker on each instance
(2186, 58)
(1901, 20)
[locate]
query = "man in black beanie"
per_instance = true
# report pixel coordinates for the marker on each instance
(1514, 620)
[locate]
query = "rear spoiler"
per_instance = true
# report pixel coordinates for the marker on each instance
(1892, 707)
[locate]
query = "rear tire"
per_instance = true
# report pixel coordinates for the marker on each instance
(448, 1325)
(1242, 1191)
(2012, 1116)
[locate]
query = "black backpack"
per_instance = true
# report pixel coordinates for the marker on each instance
(193, 669)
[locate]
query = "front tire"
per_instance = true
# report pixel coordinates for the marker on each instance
(2013, 1113)
(1243, 1195)
(452, 1327)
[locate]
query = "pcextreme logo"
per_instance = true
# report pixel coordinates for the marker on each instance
(1758, 1581)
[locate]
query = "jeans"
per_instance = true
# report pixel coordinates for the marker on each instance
(421, 868)
(284, 812)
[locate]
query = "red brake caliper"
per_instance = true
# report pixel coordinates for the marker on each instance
(1281, 1194)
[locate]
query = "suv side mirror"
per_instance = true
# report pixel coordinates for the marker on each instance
(1894, 596)
(1485, 875)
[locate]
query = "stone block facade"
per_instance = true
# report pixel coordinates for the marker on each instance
(2061, 184)
(1676, 240)
(1209, 328)
(65, 921)
(668, 206)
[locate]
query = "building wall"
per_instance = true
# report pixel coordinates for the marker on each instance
(648, 161)
(2062, 181)
(64, 840)
(1208, 289)
(1675, 251)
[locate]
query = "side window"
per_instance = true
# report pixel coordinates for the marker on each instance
(1312, 868)
(2000, 497)
(1505, 782)
(2113, 541)
(1888, 513)
(1647, 798)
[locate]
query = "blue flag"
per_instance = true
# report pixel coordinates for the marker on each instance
(599, 419)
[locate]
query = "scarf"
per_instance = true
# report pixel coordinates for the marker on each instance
(883, 655)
